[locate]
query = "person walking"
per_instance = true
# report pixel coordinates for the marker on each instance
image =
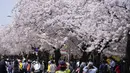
(52, 67)
(25, 66)
(16, 67)
(63, 68)
(83, 64)
(37, 67)
(43, 67)
(29, 67)
(10, 68)
(112, 65)
(103, 68)
(48, 68)
(3, 66)
(20, 66)
(117, 68)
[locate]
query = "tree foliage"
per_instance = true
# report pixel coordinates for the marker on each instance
(57, 22)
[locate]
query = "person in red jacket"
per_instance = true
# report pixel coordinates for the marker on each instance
(117, 69)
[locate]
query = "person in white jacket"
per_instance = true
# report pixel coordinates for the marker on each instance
(37, 67)
(89, 68)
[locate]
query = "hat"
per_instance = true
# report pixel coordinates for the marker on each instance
(62, 64)
(90, 63)
(49, 62)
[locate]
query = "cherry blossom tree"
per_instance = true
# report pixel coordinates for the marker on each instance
(69, 22)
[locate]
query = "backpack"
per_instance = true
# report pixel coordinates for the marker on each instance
(37, 67)
(28, 67)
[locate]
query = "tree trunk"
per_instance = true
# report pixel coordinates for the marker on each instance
(128, 52)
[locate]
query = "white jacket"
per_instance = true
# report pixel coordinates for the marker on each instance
(52, 68)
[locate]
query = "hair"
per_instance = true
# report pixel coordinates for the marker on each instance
(104, 61)
(25, 61)
(52, 62)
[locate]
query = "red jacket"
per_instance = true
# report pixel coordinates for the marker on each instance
(117, 69)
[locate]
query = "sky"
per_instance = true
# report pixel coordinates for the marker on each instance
(6, 7)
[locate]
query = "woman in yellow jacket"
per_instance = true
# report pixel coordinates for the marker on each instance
(48, 69)
(20, 65)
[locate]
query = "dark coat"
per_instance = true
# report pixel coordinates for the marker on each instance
(3, 67)
(16, 67)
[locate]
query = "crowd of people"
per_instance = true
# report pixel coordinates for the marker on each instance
(108, 65)
(28, 66)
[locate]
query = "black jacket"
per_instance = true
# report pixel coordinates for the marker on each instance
(3, 67)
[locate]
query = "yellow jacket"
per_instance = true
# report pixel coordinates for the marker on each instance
(66, 71)
(20, 66)
(48, 70)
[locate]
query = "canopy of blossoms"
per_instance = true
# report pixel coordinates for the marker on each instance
(69, 22)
